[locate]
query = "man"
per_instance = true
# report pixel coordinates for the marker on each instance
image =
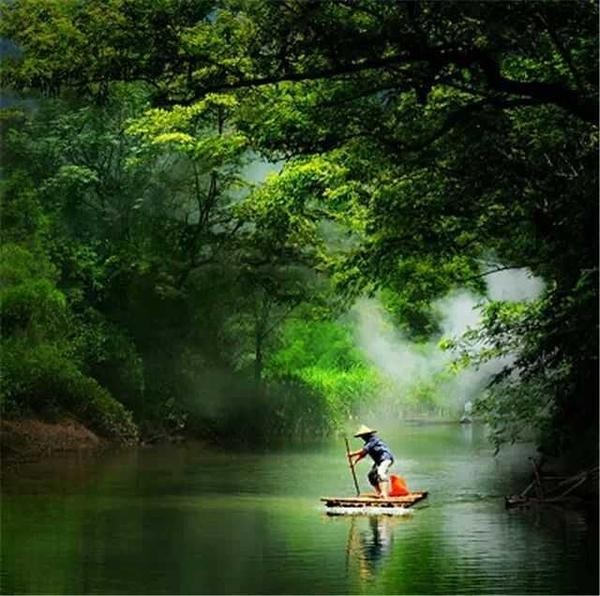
(380, 454)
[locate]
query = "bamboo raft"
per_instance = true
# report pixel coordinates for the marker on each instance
(372, 501)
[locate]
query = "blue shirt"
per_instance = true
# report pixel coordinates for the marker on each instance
(378, 450)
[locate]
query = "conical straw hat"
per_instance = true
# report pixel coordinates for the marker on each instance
(364, 430)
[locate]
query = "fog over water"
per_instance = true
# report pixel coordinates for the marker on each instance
(406, 364)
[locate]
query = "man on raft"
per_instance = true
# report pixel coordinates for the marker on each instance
(380, 454)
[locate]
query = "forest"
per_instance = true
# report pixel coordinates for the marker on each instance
(199, 195)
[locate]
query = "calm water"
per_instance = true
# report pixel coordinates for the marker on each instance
(184, 520)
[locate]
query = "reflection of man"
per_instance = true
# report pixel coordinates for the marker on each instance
(381, 455)
(381, 538)
(370, 548)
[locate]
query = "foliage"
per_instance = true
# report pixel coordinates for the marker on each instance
(42, 372)
(426, 144)
(322, 356)
(544, 384)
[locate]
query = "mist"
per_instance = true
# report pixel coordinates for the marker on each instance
(408, 367)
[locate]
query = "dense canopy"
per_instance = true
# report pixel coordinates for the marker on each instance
(415, 147)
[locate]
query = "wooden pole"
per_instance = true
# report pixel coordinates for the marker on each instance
(352, 467)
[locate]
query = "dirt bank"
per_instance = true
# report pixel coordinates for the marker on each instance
(32, 439)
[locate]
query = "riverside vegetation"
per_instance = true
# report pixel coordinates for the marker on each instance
(152, 284)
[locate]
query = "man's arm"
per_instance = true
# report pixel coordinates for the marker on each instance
(357, 454)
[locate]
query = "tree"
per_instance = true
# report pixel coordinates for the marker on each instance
(48, 344)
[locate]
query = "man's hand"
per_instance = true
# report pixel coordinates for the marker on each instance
(356, 454)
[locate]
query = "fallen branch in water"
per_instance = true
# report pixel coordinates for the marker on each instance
(563, 492)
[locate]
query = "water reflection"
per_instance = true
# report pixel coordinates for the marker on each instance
(474, 434)
(369, 544)
(163, 521)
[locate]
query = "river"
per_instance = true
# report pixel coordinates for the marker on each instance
(190, 520)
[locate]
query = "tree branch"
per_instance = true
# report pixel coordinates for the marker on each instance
(584, 107)
(489, 272)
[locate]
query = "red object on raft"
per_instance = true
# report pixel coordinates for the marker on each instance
(398, 486)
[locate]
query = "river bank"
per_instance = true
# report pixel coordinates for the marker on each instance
(32, 439)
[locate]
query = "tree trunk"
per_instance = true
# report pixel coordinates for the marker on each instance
(258, 361)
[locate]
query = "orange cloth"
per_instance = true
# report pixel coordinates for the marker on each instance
(398, 486)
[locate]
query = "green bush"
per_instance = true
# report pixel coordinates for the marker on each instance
(42, 361)
(44, 380)
(31, 302)
(319, 377)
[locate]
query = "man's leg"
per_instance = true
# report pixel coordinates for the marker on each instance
(383, 484)
(374, 479)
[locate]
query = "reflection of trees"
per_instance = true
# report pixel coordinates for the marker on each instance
(473, 434)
